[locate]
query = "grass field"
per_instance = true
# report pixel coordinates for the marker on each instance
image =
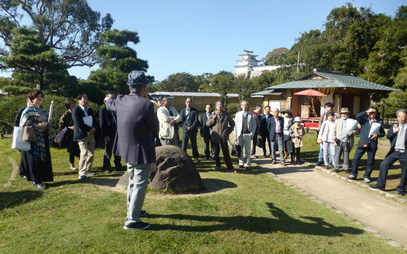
(236, 213)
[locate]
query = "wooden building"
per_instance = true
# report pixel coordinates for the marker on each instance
(344, 90)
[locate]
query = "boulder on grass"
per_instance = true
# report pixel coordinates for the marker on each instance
(174, 170)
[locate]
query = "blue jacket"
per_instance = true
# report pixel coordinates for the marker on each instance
(363, 120)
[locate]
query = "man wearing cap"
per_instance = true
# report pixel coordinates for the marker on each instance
(169, 118)
(137, 125)
(344, 135)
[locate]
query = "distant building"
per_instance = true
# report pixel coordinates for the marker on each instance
(249, 66)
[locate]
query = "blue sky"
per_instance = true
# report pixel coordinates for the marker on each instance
(198, 36)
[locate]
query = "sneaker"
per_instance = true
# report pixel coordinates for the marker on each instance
(352, 177)
(246, 166)
(143, 213)
(82, 177)
(90, 174)
(139, 225)
(40, 186)
(366, 179)
(73, 168)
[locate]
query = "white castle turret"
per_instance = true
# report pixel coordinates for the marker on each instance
(248, 65)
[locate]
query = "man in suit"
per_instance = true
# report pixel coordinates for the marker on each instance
(84, 133)
(398, 138)
(222, 125)
(206, 131)
(168, 118)
(264, 132)
(344, 136)
(190, 119)
(245, 128)
(275, 128)
(257, 113)
(108, 125)
(366, 119)
(137, 126)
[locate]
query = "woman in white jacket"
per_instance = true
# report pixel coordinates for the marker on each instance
(327, 139)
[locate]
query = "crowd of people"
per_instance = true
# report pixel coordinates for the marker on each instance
(133, 125)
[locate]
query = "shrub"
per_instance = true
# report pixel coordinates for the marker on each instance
(233, 108)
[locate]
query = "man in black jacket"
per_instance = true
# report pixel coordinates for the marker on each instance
(108, 125)
(206, 131)
(190, 121)
(275, 127)
(398, 138)
(85, 128)
(370, 143)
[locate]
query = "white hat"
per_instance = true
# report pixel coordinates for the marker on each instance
(297, 119)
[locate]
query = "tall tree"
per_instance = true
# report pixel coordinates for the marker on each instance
(70, 27)
(222, 83)
(34, 63)
(117, 60)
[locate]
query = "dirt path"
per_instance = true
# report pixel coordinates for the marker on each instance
(377, 212)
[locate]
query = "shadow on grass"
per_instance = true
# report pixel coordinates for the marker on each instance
(281, 222)
(13, 199)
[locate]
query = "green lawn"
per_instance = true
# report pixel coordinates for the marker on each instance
(236, 213)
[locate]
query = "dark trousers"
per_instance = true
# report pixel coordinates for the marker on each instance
(225, 151)
(254, 143)
(387, 163)
(108, 156)
(209, 152)
(371, 153)
(296, 154)
(266, 137)
(192, 137)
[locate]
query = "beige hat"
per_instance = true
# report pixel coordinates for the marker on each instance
(345, 111)
(297, 119)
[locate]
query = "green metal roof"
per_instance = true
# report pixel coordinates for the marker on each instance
(319, 79)
(268, 92)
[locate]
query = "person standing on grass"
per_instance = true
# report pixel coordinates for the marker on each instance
(366, 119)
(206, 131)
(329, 107)
(168, 117)
(296, 131)
(137, 126)
(264, 132)
(66, 121)
(288, 144)
(257, 113)
(245, 128)
(84, 133)
(344, 136)
(327, 139)
(108, 125)
(275, 128)
(190, 119)
(222, 125)
(398, 138)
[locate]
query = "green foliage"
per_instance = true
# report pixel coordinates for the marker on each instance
(233, 108)
(117, 61)
(222, 83)
(35, 64)
(178, 82)
(70, 27)
(395, 101)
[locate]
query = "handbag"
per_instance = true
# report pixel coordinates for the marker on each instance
(60, 136)
(363, 143)
(18, 142)
(236, 150)
(260, 142)
(29, 134)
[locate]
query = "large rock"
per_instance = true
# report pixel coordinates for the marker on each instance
(173, 170)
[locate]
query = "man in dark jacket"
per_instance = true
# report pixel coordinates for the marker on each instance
(206, 131)
(264, 132)
(84, 133)
(190, 121)
(275, 127)
(137, 126)
(370, 142)
(108, 125)
(398, 138)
